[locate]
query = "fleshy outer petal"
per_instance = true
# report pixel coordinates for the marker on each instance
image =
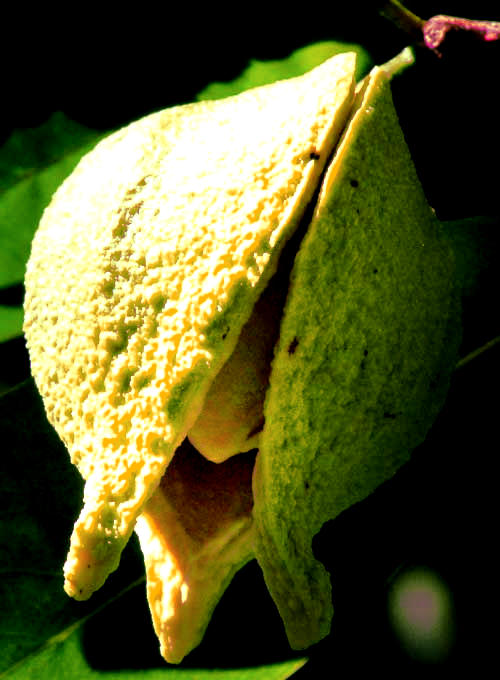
(368, 341)
(146, 265)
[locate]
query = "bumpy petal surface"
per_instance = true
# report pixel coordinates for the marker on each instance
(145, 267)
(367, 344)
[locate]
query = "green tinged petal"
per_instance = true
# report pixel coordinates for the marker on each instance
(368, 341)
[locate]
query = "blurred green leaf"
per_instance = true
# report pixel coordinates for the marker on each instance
(21, 208)
(11, 322)
(40, 497)
(300, 61)
(30, 149)
(63, 657)
(33, 162)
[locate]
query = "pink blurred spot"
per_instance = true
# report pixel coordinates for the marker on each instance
(422, 607)
(421, 612)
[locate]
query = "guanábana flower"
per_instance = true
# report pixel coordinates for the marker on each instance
(241, 316)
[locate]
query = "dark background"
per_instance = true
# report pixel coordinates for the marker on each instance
(104, 69)
(106, 66)
(109, 64)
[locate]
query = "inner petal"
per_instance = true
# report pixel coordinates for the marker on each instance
(208, 496)
(195, 532)
(232, 416)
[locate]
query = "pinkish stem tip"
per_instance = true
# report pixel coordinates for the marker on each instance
(436, 28)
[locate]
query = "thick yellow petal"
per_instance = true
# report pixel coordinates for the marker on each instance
(145, 267)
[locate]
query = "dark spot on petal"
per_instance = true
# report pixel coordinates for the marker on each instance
(293, 346)
(107, 288)
(158, 302)
(314, 156)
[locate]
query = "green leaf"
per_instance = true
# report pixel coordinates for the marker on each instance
(21, 208)
(40, 495)
(11, 322)
(30, 149)
(63, 657)
(300, 61)
(33, 163)
(34, 511)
